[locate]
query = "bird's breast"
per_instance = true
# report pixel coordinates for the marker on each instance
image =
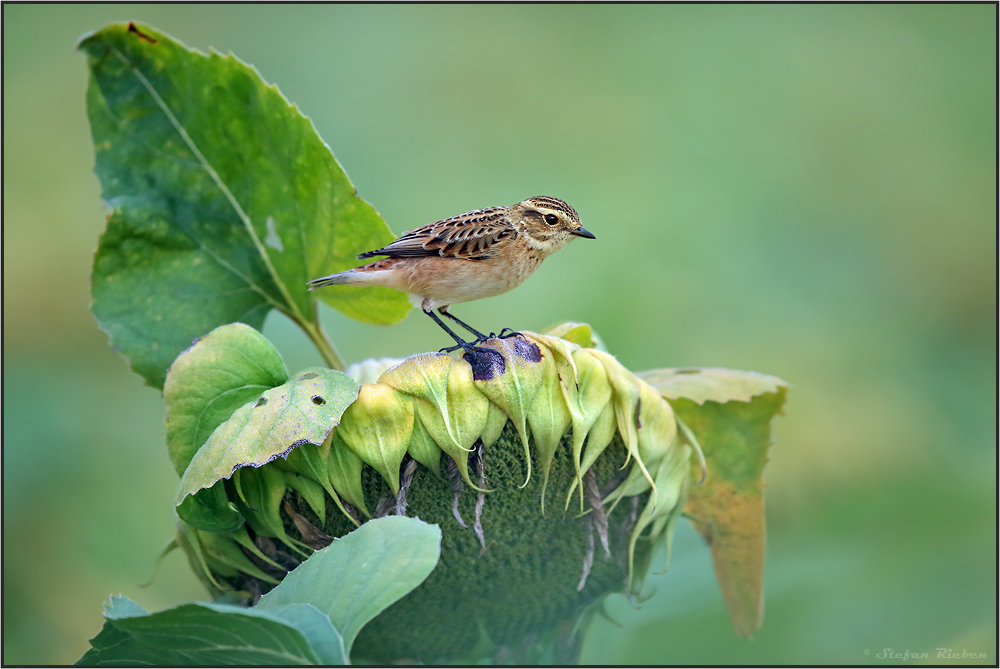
(451, 280)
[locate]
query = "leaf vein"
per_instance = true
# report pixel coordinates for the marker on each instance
(206, 165)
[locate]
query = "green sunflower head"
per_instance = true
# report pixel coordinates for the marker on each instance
(551, 469)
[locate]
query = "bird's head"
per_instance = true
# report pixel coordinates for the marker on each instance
(549, 223)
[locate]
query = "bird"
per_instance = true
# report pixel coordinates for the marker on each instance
(471, 256)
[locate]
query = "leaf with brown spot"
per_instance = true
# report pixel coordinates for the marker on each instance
(263, 429)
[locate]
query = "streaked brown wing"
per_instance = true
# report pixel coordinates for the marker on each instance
(476, 235)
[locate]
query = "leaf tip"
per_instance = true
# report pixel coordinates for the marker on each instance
(141, 35)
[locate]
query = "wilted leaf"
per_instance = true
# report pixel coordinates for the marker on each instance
(701, 384)
(730, 413)
(303, 410)
(225, 201)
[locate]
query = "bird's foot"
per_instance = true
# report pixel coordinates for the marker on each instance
(486, 363)
(506, 333)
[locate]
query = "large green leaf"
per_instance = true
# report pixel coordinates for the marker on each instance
(730, 413)
(303, 410)
(230, 366)
(225, 201)
(203, 634)
(311, 617)
(317, 628)
(359, 575)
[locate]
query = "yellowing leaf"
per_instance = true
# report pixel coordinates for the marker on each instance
(303, 410)
(701, 384)
(730, 413)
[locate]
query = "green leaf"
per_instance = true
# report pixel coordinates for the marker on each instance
(315, 625)
(577, 333)
(730, 413)
(224, 555)
(344, 473)
(303, 410)
(204, 634)
(113, 646)
(225, 201)
(120, 606)
(361, 574)
(230, 366)
(211, 510)
(312, 617)
(262, 491)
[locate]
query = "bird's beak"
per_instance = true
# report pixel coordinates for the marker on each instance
(583, 232)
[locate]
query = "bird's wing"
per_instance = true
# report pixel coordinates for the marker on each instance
(477, 235)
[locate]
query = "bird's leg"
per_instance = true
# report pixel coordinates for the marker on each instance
(479, 335)
(483, 367)
(461, 343)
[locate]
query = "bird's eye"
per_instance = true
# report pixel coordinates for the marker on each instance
(551, 219)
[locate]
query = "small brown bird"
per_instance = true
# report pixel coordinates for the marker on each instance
(478, 254)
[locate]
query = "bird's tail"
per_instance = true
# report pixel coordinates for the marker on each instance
(376, 274)
(332, 280)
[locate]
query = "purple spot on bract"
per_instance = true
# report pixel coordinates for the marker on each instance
(486, 364)
(527, 350)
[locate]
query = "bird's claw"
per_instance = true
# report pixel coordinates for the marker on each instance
(474, 347)
(470, 348)
(506, 333)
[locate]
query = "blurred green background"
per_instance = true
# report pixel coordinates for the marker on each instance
(808, 191)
